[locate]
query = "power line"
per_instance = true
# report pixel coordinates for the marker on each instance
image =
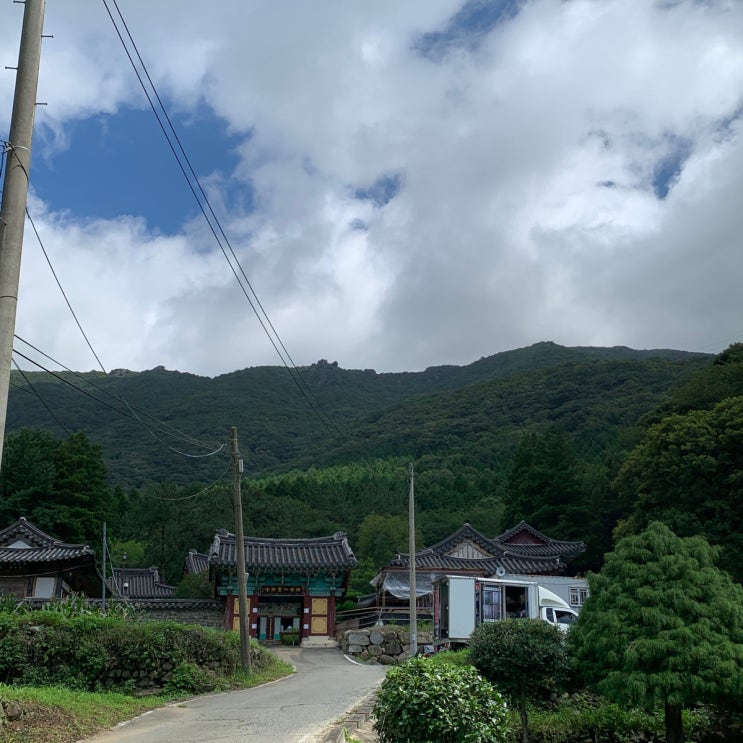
(90, 346)
(133, 413)
(193, 495)
(59, 284)
(35, 392)
(204, 204)
(121, 412)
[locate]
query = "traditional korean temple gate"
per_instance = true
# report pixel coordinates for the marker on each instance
(292, 584)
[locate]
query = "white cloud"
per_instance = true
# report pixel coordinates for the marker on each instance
(527, 164)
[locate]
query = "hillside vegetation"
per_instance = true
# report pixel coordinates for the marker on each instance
(577, 441)
(487, 403)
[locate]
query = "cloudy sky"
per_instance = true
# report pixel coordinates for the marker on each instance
(404, 183)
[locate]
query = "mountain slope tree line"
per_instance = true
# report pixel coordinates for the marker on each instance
(584, 447)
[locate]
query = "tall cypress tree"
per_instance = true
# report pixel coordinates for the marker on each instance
(663, 626)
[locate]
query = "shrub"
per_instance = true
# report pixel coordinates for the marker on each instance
(188, 678)
(91, 652)
(290, 638)
(586, 717)
(420, 701)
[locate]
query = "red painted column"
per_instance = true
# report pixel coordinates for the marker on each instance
(229, 611)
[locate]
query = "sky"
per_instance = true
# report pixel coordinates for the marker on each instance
(404, 184)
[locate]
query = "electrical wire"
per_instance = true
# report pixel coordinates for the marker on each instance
(64, 294)
(41, 399)
(205, 204)
(193, 495)
(90, 346)
(93, 397)
(133, 413)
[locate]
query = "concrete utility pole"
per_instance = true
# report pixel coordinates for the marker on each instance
(413, 587)
(242, 578)
(105, 549)
(15, 190)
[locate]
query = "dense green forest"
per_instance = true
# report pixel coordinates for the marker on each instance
(578, 441)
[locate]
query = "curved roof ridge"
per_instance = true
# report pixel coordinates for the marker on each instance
(24, 527)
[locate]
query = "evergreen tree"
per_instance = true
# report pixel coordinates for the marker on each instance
(663, 626)
(688, 473)
(77, 509)
(545, 487)
(27, 475)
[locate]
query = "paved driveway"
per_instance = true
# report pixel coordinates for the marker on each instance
(296, 709)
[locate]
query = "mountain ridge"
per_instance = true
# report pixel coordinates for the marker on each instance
(277, 427)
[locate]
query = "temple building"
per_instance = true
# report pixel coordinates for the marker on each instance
(292, 584)
(35, 565)
(522, 550)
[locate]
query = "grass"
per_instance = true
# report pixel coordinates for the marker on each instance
(55, 714)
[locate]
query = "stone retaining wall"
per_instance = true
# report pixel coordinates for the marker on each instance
(386, 645)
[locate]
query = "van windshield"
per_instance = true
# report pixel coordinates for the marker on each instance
(564, 617)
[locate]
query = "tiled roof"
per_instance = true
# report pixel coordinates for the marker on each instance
(430, 560)
(196, 562)
(465, 533)
(21, 556)
(549, 545)
(542, 555)
(138, 583)
(321, 553)
(42, 548)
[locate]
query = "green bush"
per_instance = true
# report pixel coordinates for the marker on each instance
(93, 652)
(459, 658)
(590, 717)
(422, 701)
(290, 638)
(188, 678)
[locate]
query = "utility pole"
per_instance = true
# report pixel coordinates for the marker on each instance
(242, 578)
(15, 189)
(413, 587)
(105, 549)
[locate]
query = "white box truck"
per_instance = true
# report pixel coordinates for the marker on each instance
(461, 603)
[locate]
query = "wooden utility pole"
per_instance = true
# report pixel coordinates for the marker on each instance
(411, 547)
(242, 578)
(15, 189)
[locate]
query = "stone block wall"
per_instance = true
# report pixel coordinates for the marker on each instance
(386, 645)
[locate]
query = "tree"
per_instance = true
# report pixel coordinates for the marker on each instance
(381, 537)
(359, 583)
(663, 625)
(195, 586)
(77, 509)
(524, 658)
(27, 475)
(688, 473)
(544, 486)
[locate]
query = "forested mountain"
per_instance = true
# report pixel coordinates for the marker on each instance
(481, 407)
(574, 440)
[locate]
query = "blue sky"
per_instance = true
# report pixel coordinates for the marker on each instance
(405, 184)
(122, 164)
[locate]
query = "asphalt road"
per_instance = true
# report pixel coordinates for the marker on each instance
(297, 709)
